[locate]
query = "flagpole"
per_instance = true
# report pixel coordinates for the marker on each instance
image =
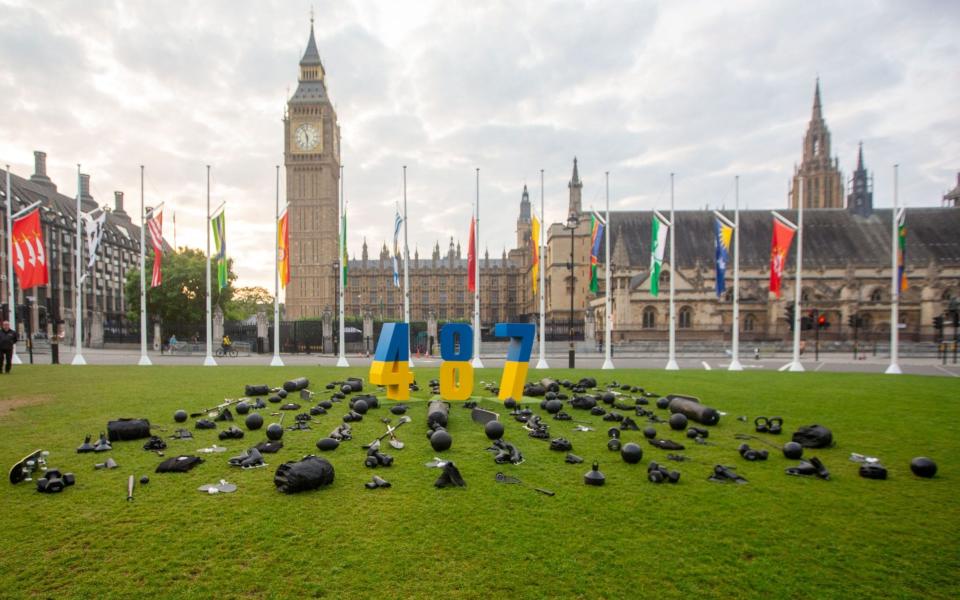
(542, 362)
(894, 368)
(672, 357)
(735, 345)
(11, 289)
(406, 273)
(276, 361)
(78, 305)
(209, 361)
(795, 365)
(608, 319)
(342, 358)
(144, 359)
(477, 363)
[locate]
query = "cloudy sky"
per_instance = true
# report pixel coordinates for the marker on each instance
(708, 90)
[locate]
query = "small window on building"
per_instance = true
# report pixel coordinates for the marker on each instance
(686, 317)
(649, 317)
(749, 323)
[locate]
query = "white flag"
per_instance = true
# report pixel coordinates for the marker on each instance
(95, 229)
(397, 222)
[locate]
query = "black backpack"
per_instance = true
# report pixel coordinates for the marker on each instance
(308, 474)
(813, 436)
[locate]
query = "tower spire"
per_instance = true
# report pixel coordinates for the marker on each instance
(860, 157)
(817, 110)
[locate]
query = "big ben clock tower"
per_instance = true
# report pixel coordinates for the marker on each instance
(312, 160)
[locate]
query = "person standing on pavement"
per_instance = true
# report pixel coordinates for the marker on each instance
(8, 339)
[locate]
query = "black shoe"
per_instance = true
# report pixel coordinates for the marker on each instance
(573, 459)
(629, 424)
(86, 446)
(821, 470)
(450, 478)
(804, 468)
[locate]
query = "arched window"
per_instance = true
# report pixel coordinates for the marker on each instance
(686, 317)
(649, 317)
(749, 322)
(876, 295)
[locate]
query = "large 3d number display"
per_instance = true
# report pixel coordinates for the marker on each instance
(390, 366)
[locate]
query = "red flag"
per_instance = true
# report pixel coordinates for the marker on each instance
(782, 238)
(155, 225)
(30, 255)
(472, 258)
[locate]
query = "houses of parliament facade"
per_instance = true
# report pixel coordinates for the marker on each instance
(847, 264)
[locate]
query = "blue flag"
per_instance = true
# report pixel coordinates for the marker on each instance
(723, 234)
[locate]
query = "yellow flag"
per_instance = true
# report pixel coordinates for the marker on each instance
(535, 246)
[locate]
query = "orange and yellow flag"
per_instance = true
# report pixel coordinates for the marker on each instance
(283, 250)
(535, 246)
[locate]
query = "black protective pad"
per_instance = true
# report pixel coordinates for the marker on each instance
(295, 385)
(813, 436)
(692, 409)
(308, 474)
(268, 447)
(256, 390)
(128, 429)
(179, 464)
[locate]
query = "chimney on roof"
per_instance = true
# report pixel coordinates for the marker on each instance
(118, 204)
(87, 202)
(40, 169)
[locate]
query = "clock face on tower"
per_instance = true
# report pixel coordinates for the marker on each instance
(307, 137)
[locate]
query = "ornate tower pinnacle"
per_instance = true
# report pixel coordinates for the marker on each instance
(818, 175)
(576, 190)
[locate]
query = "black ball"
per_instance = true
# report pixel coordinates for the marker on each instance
(274, 431)
(274, 399)
(553, 406)
(493, 429)
(346, 389)
(180, 416)
(510, 403)
(254, 421)
(631, 453)
(678, 421)
(613, 445)
(649, 433)
(360, 406)
(793, 450)
(398, 409)
(663, 403)
(242, 408)
(144, 480)
(327, 444)
(282, 393)
(923, 467)
(441, 440)
(608, 398)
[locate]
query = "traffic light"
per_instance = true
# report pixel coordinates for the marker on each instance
(789, 315)
(938, 323)
(822, 322)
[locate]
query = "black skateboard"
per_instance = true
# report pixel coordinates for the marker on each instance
(25, 467)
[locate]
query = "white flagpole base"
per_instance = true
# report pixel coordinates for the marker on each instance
(542, 364)
(672, 365)
(477, 363)
(16, 359)
(78, 359)
(342, 361)
(410, 362)
(144, 361)
(893, 369)
(209, 362)
(607, 365)
(735, 365)
(276, 361)
(796, 367)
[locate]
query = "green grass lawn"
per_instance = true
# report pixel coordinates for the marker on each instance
(777, 536)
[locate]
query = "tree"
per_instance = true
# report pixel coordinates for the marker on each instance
(247, 301)
(181, 297)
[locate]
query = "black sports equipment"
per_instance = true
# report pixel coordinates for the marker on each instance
(85, 447)
(155, 443)
(657, 473)
(678, 421)
(180, 416)
(144, 480)
(501, 478)
(750, 454)
(327, 444)
(813, 436)
(631, 453)
(178, 464)
(437, 413)
(441, 440)
(398, 409)
(310, 473)
(663, 402)
(597, 411)
(613, 445)
(553, 406)
(572, 459)
(53, 481)
(128, 429)
(493, 430)
(666, 444)
(450, 477)
(274, 431)
(594, 476)
(242, 407)
(205, 424)
(28, 465)
(510, 403)
(295, 385)
(360, 406)
(793, 450)
(923, 467)
(561, 445)
(812, 467)
(506, 453)
(613, 432)
(649, 433)
(692, 409)
(698, 432)
(256, 390)
(254, 421)
(873, 471)
(231, 433)
(722, 474)
(274, 399)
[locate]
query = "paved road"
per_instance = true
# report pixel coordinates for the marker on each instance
(829, 362)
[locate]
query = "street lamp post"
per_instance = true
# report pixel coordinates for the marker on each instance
(572, 222)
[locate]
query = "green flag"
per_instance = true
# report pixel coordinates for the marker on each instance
(658, 242)
(343, 247)
(219, 226)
